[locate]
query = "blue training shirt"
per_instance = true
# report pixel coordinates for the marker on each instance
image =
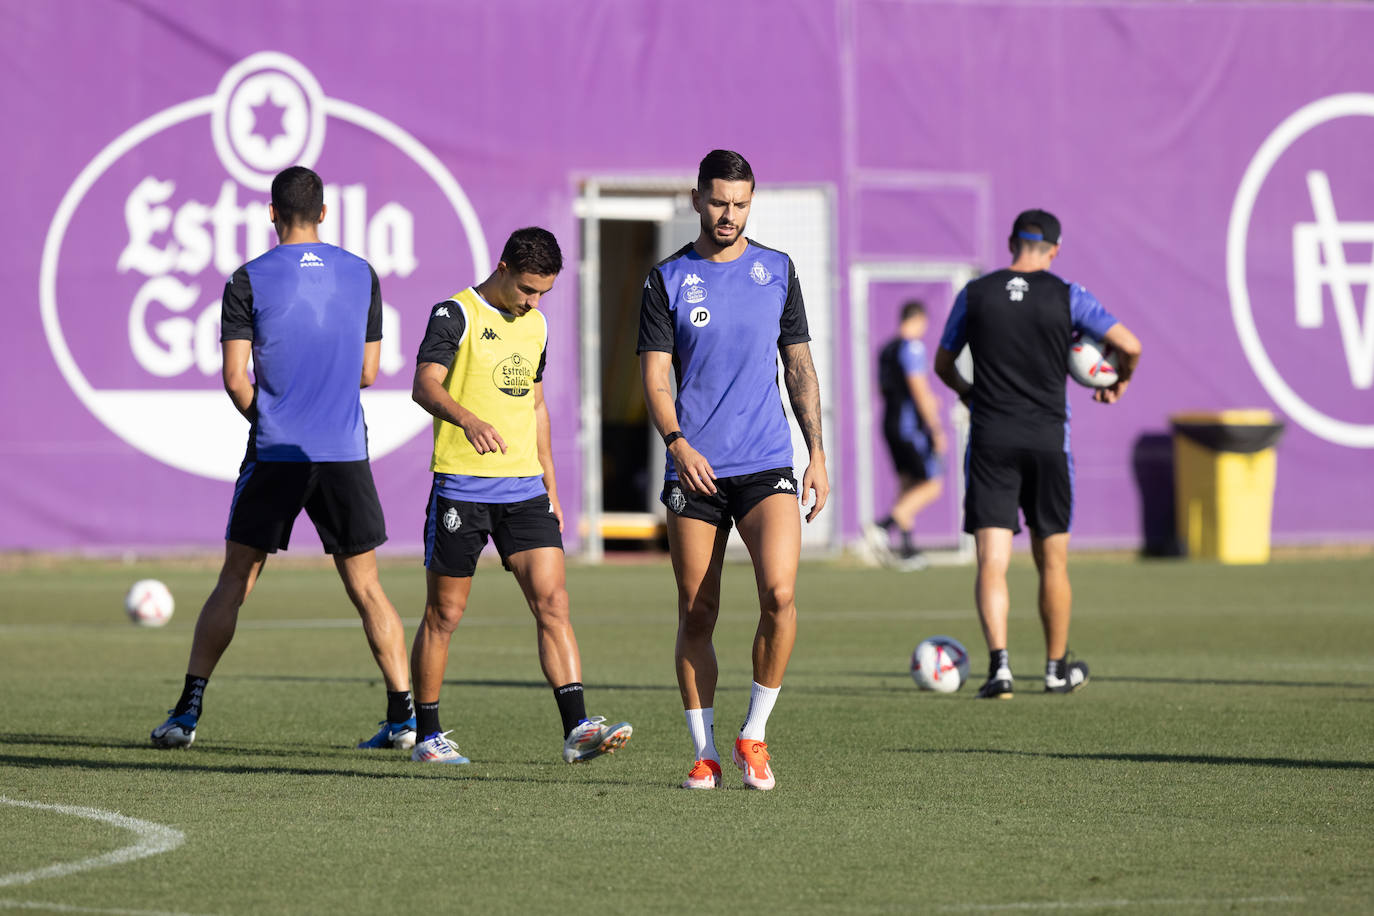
(308, 309)
(724, 322)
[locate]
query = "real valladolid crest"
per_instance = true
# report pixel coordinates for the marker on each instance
(140, 246)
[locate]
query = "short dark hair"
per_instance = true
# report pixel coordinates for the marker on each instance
(533, 250)
(727, 165)
(912, 308)
(297, 196)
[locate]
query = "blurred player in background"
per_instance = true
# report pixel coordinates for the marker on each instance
(1019, 323)
(480, 373)
(915, 438)
(720, 311)
(310, 316)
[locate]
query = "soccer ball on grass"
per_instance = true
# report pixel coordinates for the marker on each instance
(939, 663)
(149, 603)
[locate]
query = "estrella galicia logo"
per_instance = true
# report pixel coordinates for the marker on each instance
(1305, 200)
(695, 293)
(700, 316)
(142, 242)
(514, 375)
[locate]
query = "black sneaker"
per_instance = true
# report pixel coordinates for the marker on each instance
(998, 687)
(1075, 676)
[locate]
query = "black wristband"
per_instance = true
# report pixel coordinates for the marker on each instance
(672, 437)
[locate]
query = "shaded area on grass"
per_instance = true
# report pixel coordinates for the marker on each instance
(1147, 757)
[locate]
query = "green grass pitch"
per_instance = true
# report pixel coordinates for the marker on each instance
(1220, 760)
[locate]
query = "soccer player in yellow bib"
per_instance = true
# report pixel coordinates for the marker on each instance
(479, 373)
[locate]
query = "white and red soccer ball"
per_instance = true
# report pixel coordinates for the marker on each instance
(940, 663)
(149, 603)
(1092, 363)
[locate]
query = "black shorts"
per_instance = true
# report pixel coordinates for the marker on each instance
(914, 457)
(1001, 479)
(456, 532)
(733, 499)
(339, 496)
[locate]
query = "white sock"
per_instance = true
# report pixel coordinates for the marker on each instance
(761, 700)
(701, 725)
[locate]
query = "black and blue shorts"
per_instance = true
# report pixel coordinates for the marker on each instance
(733, 499)
(339, 496)
(1002, 479)
(456, 532)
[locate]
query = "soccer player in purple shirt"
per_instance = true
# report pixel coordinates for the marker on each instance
(1019, 323)
(310, 316)
(719, 313)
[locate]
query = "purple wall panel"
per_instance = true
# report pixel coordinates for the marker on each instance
(1136, 123)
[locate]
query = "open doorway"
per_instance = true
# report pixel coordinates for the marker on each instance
(629, 225)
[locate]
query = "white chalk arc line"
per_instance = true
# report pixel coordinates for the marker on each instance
(152, 840)
(70, 908)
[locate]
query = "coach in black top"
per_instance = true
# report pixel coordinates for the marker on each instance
(1019, 324)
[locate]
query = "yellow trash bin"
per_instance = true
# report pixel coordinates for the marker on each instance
(1225, 465)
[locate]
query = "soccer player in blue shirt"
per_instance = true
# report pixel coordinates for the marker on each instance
(914, 434)
(719, 313)
(310, 316)
(1019, 324)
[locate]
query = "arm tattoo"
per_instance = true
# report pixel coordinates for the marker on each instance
(804, 391)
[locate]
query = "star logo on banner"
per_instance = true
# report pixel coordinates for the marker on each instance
(268, 119)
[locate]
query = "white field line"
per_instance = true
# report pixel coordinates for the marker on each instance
(152, 839)
(593, 619)
(69, 908)
(1105, 904)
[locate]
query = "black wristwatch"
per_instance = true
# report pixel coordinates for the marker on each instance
(672, 437)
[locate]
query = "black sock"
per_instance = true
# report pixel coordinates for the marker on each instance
(887, 523)
(998, 658)
(427, 719)
(1057, 667)
(571, 705)
(398, 706)
(907, 546)
(192, 695)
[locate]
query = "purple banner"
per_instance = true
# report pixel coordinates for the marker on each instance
(1208, 162)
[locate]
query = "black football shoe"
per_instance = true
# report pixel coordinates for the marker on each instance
(998, 686)
(1075, 676)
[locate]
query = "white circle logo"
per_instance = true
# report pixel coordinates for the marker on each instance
(700, 316)
(134, 327)
(269, 113)
(1319, 259)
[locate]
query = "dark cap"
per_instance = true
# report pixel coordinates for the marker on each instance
(1046, 227)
